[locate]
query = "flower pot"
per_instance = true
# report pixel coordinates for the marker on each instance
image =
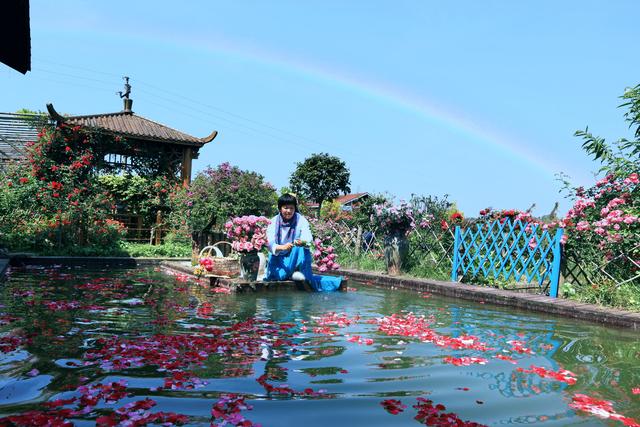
(249, 265)
(396, 249)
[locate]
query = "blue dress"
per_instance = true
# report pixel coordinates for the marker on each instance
(282, 264)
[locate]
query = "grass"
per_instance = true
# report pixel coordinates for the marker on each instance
(361, 262)
(605, 293)
(122, 249)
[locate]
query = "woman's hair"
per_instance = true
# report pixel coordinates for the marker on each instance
(287, 199)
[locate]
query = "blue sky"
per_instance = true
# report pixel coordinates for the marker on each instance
(478, 100)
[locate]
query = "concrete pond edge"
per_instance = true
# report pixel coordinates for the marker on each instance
(529, 302)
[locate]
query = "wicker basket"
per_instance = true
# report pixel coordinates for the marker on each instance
(225, 267)
(221, 265)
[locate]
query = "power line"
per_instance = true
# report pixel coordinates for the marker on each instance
(78, 68)
(259, 132)
(255, 122)
(229, 113)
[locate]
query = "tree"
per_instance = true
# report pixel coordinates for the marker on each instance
(603, 226)
(215, 195)
(320, 177)
(623, 156)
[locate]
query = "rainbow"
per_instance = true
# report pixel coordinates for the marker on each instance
(381, 92)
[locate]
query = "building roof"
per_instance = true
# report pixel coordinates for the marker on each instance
(344, 199)
(347, 198)
(16, 130)
(128, 124)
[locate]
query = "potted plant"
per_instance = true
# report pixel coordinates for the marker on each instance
(248, 236)
(395, 223)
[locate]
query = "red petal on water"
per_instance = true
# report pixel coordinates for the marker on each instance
(559, 375)
(600, 408)
(393, 406)
(465, 361)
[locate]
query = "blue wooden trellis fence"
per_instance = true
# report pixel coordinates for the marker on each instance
(509, 250)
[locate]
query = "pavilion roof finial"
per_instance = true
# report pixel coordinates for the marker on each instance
(128, 103)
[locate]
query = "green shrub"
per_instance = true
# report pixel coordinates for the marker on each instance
(173, 249)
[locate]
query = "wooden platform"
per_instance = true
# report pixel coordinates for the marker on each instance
(240, 286)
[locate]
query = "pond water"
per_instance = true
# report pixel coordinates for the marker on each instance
(141, 346)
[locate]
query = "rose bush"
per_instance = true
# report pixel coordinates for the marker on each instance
(63, 199)
(324, 256)
(393, 219)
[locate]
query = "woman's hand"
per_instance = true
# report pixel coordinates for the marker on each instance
(284, 247)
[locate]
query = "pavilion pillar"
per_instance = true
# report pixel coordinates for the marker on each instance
(187, 157)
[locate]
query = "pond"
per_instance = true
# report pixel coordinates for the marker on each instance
(140, 346)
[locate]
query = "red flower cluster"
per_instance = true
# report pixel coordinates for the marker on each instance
(55, 185)
(505, 358)
(284, 389)
(55, 418)
(457, 217)
(340, 320)
(227, 411)
(560, 375)
(9, 343)
(519, 347)
(434, 415)
(410, 325)
(600, 408)
(393, 406)
(465, 361)
(358, 339)
(137, 414)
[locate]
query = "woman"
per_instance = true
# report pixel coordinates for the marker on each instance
(290, 258)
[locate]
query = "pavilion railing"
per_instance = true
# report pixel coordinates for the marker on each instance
(513, 252)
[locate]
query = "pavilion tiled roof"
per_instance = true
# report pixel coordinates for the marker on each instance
(128, 124)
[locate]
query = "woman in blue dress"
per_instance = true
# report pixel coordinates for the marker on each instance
(290, 258)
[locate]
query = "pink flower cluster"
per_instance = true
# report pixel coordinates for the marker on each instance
(227, 411)
(465, 361)
(600, 408)
(360, 340)
(561, 375)
(394, 219)
(607, 219)
(324, 256)
(206, 263)
(247, 233)
(410, 325)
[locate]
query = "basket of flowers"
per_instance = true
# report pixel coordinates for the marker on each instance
(212, 261)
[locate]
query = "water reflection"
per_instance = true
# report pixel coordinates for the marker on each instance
(266, 346)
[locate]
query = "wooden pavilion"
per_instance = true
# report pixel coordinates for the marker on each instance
(174, 150)
(152, 150)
